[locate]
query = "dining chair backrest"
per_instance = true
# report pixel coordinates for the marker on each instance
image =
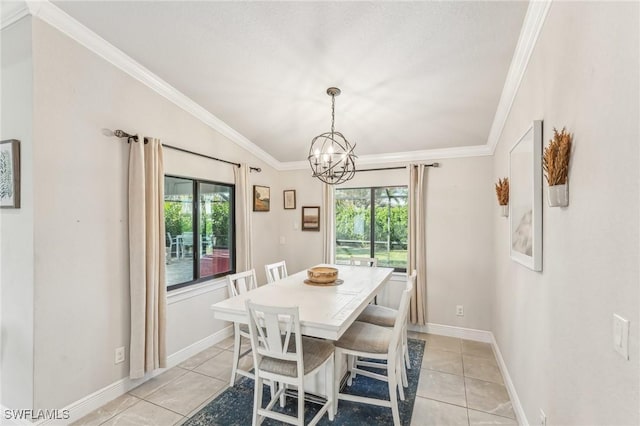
(187, 238)
(363, 261)
(276, 271)
(241, 282)
(273, 329)
(401, 319)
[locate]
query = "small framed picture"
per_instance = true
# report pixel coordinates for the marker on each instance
(10, 174)
(289, 196)
(311, 218)
(261, 198)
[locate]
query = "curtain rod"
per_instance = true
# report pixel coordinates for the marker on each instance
(122, 134)
(395, 168)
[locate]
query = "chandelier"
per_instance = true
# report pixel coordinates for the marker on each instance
(331, 155)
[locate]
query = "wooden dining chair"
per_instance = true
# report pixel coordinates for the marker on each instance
(276, 271)
(282, 355)
(386, 317)
(363, 261)
(378, 343)
(240, 283)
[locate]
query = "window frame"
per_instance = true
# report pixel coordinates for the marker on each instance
(372, 230)
(195, 220)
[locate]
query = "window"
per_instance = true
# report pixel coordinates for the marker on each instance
(200, 231)
(386, 207)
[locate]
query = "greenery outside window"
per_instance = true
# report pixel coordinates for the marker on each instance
(386, 207)
(200, 230)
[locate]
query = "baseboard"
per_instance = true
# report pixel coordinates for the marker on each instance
(479, 336)
(186, 353)
(89, 403)
(511, 389)
(453, 331)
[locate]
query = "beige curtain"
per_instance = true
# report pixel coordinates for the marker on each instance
(146, 257)
(418, 242)
(244, 254)
(327, 223)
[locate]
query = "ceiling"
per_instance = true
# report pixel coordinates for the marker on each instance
(414, 76)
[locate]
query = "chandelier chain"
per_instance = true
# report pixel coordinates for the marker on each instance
(333, 114)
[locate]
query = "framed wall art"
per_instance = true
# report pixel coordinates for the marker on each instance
(10, 174)
(525, 198)
(261, 198)
(311, 218)
(289, 197)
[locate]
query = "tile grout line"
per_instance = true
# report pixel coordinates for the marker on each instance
(119, 412)
(162, 386)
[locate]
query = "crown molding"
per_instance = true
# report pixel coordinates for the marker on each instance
(531, 27)
(11, 12)
(405, 157)
(66, 24)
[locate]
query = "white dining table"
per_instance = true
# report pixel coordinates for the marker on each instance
(325, 311)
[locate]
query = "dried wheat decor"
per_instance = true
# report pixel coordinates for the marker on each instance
(555, 160)
(502, 191)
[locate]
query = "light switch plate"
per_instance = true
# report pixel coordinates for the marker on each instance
(621, 335)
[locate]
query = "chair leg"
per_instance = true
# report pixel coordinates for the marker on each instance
(400, 369)
(236, 353)
(338, 355)
(257, 401)
(283, 397)
(405, 348)
(393, 396)
(301, 404)
(405, 379)
(351, 364)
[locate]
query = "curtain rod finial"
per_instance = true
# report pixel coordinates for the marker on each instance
(107, 132)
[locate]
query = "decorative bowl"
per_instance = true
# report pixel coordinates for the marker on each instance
(322, 274)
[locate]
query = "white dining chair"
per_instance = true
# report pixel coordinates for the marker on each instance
(386, 317)
(378, 343)
(371, 262)
(282, 355)
(363, 261)
(240, 283)
(276, 271)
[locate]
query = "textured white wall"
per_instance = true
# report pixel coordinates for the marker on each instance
(461, 208)
(16, 225)
(554, 328)
(81, 288)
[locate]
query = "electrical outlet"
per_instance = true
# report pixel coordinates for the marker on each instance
(119, 355)
(460, 310)
(543, 418)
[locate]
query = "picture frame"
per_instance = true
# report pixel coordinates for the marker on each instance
(289, 199)
(525, 198)
(10, 174)
(261, 198)
(310, 218)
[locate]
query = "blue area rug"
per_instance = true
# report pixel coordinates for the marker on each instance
(234, 406)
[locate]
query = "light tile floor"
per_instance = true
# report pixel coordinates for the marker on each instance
(460, 384)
